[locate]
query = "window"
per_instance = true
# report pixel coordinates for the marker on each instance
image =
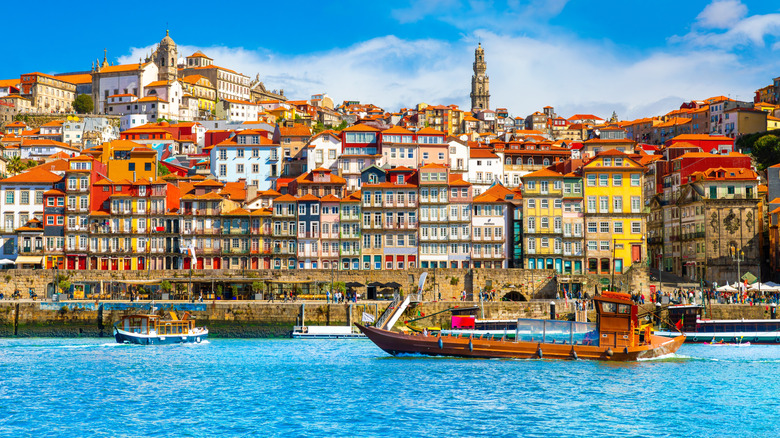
(729, 190)
(604, 227)
(532, 203)
(222, 170)
(557, 203)
(25, 197)
(9, 196)
(636, 227)
(545, 243)
(617, 180)
(603, 180)
(617, 204)
(591, 180)
(592, 245)
(591, 204)
(604, 245)
(545, 222)
(591, 227)
(635, 204)
(240, 153)
(618, 227)
(544, 203)
(635, 180)
(603, 204)
(239, 168)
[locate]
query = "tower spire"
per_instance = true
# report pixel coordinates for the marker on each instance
(480, 83)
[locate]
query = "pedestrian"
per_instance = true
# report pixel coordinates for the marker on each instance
(327, 296)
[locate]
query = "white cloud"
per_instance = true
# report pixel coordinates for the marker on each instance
(725, 24)
(525, 74)
(721, 14)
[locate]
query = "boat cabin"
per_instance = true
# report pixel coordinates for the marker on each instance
(617, 319)
(153, 325)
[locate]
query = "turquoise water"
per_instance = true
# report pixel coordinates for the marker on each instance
(94, 387)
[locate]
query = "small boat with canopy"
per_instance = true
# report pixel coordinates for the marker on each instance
(152, 329)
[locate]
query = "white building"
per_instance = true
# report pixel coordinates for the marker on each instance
(484, 168)
(129, 121)
(40, 149)
(236, 110)
(323, 151)
(111, 80)
(21, 198)
(459, 154)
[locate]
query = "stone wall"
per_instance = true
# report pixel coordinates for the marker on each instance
(447, 282)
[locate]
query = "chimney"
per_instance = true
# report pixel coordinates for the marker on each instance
(134, 176)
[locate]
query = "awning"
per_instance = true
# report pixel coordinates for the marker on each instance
(6, 262)
(29, 260)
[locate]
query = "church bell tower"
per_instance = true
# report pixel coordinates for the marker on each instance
(480, 83)
(166, 57)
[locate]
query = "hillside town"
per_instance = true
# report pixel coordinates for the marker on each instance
(178, 163)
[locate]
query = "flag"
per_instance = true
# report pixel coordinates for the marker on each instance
(679, 324)
(367, 317)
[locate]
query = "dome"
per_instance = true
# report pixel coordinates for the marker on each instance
(167, 41)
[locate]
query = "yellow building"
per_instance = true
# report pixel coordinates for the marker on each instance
(614, 220)
(201, 88)
(543, 219)
(126, 159)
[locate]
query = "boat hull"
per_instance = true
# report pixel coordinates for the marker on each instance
(402, 344)
(729, 337)
(124, 337)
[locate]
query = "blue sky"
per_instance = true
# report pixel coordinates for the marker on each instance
(638, 58)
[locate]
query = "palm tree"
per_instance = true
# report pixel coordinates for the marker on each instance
(14, 165)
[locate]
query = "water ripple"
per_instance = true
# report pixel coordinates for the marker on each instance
(91, 387)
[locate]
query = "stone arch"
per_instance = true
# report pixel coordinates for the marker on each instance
(514, 296)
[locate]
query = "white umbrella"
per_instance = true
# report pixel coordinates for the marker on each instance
(726, 288)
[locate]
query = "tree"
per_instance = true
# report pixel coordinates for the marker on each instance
(257, 286)
(162, 170)
(318, 127)
(341, 125)
(83, 104)
(165, 285)
(14, 165)
(766, 151)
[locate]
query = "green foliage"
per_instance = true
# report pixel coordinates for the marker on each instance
(454, 281)
(766, 151)
(257, 286)
(63, 283)
(341, 125)
(15, 165)
(165, 285)
(162, 170)
(340, 286)
(83, 104)
(318, 127)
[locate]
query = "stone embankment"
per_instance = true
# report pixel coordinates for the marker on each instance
(251, 319)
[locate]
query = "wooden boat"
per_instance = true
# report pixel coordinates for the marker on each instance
(151, 329)
(716, 331)
(613, 338)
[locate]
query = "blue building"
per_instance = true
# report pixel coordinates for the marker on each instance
(249, 155)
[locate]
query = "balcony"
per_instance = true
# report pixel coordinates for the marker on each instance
(349, 252)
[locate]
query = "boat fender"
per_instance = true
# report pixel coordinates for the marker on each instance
(609, 352)
(777, 339)
(573, 354)
(197, 340)
(471, 346)
(441, 343)
(695, 339)
(539, 352)
(625, 350)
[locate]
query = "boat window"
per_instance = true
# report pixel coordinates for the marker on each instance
(609, 307)
(624, 308)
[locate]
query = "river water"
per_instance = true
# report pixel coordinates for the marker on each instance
(227, 387)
